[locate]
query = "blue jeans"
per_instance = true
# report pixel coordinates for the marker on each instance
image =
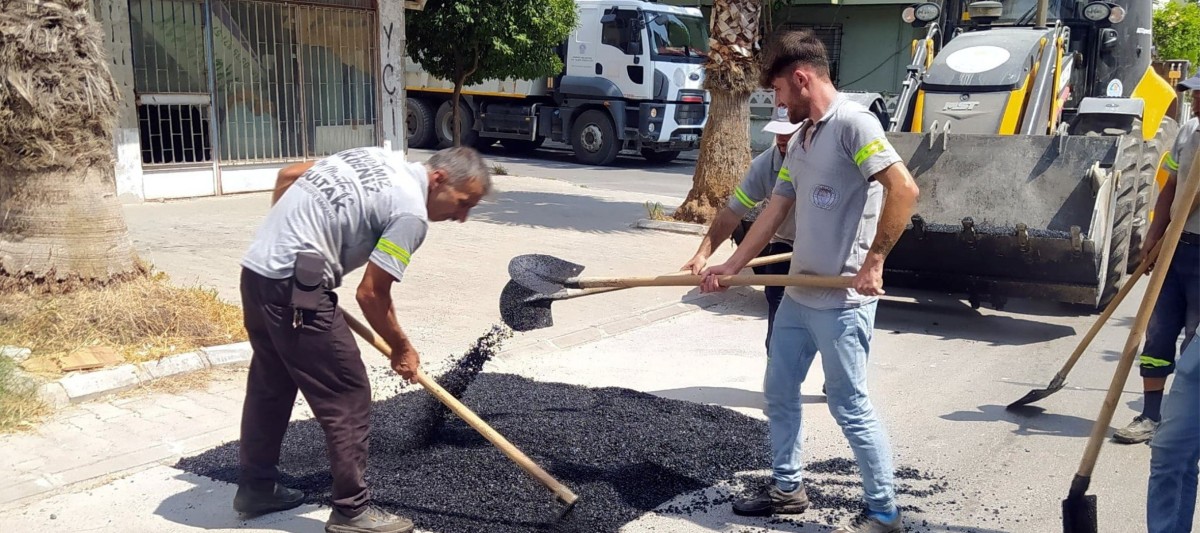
(843, 337)
(1176, 311)
(1175, 450)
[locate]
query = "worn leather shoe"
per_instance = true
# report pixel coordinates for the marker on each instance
(373, 520)
(773, 501)
(250, 502)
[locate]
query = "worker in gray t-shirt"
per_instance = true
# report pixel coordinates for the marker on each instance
(364, 206)
(839, 166)
(753, 190)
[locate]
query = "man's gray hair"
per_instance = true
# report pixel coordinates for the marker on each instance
(462, 164)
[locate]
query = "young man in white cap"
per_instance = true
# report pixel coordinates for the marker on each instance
(748, 196)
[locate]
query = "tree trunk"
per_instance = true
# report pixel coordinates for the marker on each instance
(63, 229)
(454, 100)
(60, 221)
(731, 75)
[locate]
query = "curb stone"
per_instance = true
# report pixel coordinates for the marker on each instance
(685, 228)
(77, 387)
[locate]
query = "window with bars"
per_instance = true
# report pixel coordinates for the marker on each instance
(831, 35)
(292, 81)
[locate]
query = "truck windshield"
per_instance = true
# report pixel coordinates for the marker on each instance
(1024, 12)
(677, 35)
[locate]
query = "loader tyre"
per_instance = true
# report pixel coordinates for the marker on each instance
(1122, 220)
(1147, 187)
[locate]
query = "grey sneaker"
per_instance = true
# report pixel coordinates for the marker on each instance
(251, 503)
(866, 522)
(773, 501)
(1140, 430)
(373, 520)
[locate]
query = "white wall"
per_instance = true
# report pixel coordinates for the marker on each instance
(113, 16)
(391, 61)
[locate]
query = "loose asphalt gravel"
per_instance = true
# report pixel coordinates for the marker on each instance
(625, 453)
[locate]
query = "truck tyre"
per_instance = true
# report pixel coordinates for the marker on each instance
(522, 146)
(1116, 272)
(418, 121)
(1147, 187)
(659, 157)
(445, 125)
(594, 138)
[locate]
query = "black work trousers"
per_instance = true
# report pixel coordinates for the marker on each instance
(321, 359)
(774, 295)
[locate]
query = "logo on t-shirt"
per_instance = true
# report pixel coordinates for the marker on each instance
(824, 197)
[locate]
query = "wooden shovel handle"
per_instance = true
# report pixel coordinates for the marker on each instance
(1110, 309)
(756, 262)
(1165, 254)
(565, 494)
(672, 280)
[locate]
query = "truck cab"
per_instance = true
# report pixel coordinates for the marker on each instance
(632, 79)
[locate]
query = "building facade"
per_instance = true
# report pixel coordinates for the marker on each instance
(217, 95)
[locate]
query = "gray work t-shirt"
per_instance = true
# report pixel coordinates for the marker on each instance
(837, 201)
(756, 186)
(1179, 162)
(355, 205)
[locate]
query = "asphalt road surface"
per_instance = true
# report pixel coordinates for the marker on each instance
(630, 172)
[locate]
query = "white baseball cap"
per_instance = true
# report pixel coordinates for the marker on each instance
(780, 124)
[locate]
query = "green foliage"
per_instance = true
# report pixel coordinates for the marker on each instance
(469, 41)
(1177, 32)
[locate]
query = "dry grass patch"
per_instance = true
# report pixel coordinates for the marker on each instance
(19, 402)
(141, 320)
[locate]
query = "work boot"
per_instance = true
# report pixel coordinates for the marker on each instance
(251, 502)
(773, 500)
(869, 522)
(373, 520)
(1140, 430)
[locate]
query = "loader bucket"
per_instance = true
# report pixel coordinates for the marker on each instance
(1007, 215)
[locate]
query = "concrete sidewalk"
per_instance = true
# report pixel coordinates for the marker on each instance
(940, 375)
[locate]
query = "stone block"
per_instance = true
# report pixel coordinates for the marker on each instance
(54, 395)
(174, 364)
(579, 337)
(237, 354)
(87, 385)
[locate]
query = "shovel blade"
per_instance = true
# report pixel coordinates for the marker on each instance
(1079, 514)
(542, 273)
(522, 310)
(1039, 394)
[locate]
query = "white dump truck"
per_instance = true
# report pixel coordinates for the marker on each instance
(632, 80)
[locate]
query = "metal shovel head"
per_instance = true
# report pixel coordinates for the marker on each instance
(542, 273)
(1039, 394)
(1079, 507)
(522, 310)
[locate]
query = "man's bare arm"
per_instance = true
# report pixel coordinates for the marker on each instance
(287, 176)
(718, 232)
(374, 297)
(898, 204)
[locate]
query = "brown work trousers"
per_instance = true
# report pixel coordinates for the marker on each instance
(321, 359)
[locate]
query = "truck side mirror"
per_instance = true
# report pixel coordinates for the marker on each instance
(633, 48)
(608, 18)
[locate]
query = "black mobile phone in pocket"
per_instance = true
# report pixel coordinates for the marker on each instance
(307, 280)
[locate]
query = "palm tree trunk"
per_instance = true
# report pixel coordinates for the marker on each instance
(60, 221)
(731, 75)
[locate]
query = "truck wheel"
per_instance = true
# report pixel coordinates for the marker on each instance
(659, 157)
(445, 125)
(419, 123)
(522, 146)
(1119, 257)
(1147, 187)
(594, 138)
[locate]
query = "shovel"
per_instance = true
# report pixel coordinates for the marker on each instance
(1060, 379)
(562, 495)
(1079, 509)
(523, 309)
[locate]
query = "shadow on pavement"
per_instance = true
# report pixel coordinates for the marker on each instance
(1029, 420)
(209, 505)
(588, 214)
(951, 319)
